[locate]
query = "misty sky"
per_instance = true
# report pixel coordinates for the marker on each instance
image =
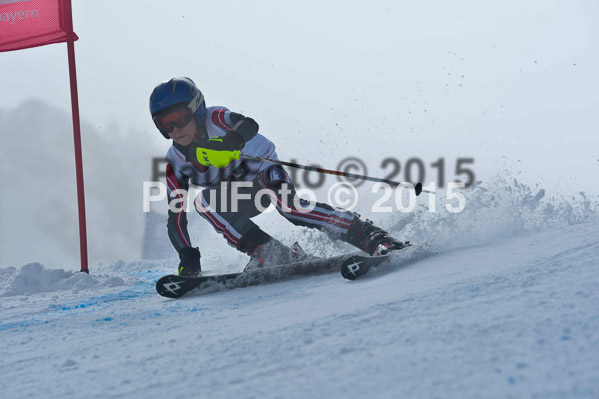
(472, 77)
(512, 84)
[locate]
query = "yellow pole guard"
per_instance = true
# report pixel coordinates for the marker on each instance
(217, 159)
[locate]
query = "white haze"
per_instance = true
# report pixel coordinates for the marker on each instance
(39, 207)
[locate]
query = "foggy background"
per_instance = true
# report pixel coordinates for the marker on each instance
(512, 85)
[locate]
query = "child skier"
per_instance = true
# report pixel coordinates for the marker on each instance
(180, 113)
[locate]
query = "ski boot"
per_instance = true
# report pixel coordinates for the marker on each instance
(274, 253)
(190, 265)
(364, 235)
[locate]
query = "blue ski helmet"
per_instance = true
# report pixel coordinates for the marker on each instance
(175, 93)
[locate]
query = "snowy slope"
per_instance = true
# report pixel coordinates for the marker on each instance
(517, 317)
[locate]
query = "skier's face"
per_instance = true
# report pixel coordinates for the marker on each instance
(184, 135)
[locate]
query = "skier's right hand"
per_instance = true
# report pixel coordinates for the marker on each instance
(190, 262)
(232, 141)
(215, 158)
(219, 151)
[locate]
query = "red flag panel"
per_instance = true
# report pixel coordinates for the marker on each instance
(32, 23)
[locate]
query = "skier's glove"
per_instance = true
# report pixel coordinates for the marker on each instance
(190, 262)
(220, 151)
(232, 141)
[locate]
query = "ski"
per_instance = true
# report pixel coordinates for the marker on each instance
(174, 286)
(358, 265)
(352, 267)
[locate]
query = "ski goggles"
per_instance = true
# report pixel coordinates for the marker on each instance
(176, 118)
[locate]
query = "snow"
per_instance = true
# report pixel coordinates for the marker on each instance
(513, 314)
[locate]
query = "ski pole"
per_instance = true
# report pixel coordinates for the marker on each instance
(417, 187)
